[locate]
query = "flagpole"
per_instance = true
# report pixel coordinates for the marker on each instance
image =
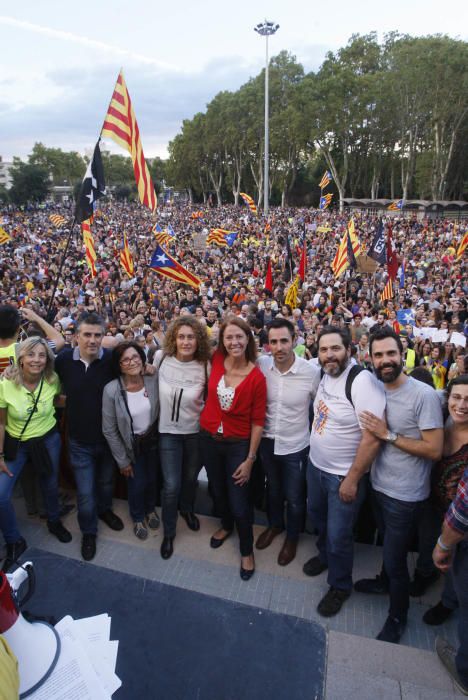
(59, 272)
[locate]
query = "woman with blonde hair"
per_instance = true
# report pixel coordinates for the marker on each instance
(183, 369)
(28, 430)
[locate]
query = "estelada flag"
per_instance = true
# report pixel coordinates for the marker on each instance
(166, 265)
(249, 201)
(340, 261)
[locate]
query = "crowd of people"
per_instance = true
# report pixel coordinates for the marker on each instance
(333, 397)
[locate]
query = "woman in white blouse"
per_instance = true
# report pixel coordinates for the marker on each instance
(129, 422)
(183, 376)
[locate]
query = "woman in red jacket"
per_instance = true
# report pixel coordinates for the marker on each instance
(231, 428)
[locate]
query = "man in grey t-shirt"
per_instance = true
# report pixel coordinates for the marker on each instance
(412, 436)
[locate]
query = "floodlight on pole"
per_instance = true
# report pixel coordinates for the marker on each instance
(266, 29)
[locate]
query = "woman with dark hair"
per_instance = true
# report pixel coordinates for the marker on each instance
(183, 376)
(446, 475)
(28, 431)
(231, 428)
(130, 408)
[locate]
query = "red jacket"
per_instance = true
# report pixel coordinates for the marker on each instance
(248, 406)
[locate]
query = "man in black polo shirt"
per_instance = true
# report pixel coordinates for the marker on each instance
(84, 371)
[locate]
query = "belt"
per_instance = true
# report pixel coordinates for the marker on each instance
(219, 437)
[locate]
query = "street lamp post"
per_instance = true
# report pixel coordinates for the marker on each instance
(266, 29)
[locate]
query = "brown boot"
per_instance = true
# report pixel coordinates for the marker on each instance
(288, 552)
(267, 536)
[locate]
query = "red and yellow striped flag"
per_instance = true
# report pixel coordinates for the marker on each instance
(217, 236)
(340, 261)
(126, 258)
(88, 241)
(57, 220)
(462, 246)
(121, 126)
(249, 201)
(388, 292)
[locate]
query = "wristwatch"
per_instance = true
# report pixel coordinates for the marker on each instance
(391, 436)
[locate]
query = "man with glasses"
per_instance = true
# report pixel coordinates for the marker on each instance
(84, 371)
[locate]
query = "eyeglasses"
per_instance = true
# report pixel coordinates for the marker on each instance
(130, 360)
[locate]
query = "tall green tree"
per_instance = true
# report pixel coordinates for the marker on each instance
(31, 183)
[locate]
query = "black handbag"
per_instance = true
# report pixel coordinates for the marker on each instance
(11, 444)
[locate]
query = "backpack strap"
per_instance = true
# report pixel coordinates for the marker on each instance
(353, 373)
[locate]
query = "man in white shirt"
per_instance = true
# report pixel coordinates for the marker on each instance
(291, 385)
(341, 453)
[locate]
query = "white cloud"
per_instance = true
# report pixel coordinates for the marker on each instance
(90, 43)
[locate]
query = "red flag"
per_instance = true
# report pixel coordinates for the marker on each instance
(269, 278)
(392, 259)
(303, 262)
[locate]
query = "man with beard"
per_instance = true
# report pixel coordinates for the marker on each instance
(341, 453)
(412, 436)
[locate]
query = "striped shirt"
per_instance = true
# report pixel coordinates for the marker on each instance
(457, 514)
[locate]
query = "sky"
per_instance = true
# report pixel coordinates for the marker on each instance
(59, 60)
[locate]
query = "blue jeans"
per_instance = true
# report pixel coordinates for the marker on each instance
(232, 502)
(286, 481)
(142, 486)
(334, 520)
(49, 486)
(180, 465)
(460, 580)
(93, 467)
(396, 521)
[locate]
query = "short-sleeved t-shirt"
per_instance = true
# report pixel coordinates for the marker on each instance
(19, 402)
(7, 356)
(336, 432)
(411, 408)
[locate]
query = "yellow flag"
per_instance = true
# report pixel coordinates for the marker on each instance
(291, 295)
(4, 237)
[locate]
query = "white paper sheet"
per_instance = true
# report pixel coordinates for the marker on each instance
(73, 678)
(458, 339)
(92, 633)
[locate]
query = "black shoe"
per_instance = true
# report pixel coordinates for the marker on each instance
(167, 548)
(246, 574)
(314, 567)
(392, 630)
(61, 533)
(332, 601)
(112, 520)
(192, 521)
(377, 585)
(437, 615)
(215, 542)
(88, 547)
(13, 551)
(419, 585)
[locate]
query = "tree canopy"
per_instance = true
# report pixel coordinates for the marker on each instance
(387, 119)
